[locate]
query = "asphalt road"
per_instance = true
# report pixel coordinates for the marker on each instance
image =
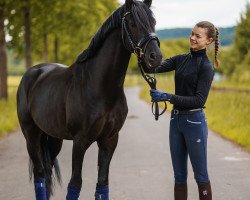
(141, 167)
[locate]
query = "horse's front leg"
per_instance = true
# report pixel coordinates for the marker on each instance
(106, 150)
(74, 187)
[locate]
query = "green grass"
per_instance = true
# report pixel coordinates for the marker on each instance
(227, 112)
(8, 116)
(232, 85)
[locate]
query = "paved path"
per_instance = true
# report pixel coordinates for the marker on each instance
(141, 166)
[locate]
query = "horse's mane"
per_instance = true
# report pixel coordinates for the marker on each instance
(142, 15)
(114, 21)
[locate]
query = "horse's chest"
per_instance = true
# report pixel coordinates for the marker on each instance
(109, 123)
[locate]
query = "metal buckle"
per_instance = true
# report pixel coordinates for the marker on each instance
(138, 52)
(176, 112)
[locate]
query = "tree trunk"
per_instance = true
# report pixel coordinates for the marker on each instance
(3, 57)
(56, 48)
(27, 29)
(45, 47)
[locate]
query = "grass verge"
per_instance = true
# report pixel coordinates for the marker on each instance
(8, 116)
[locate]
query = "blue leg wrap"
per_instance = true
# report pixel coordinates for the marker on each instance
(102, 192)
(40, 188)
(73, 193)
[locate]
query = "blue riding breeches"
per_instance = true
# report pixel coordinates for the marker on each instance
(188, 137)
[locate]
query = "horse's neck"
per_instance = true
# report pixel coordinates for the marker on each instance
(108, 68)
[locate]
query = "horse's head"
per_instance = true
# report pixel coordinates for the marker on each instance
(138, 32)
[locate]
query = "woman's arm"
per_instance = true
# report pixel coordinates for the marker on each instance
(203, 86)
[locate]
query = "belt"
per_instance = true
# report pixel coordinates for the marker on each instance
(185, 112)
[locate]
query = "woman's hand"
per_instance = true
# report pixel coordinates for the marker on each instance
(157, 95)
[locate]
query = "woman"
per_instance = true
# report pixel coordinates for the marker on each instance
(188, 128)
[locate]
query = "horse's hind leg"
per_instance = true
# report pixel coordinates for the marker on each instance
(42, 150)
(106, 151)
(33, 141)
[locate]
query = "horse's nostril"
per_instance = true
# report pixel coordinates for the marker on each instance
(152, 56)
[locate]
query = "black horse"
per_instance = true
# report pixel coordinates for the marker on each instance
(84, 102)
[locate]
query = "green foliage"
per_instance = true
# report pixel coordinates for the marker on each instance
(242, 42)
(73, 23)
(227, 60)
(16, 66)
(242, 72)
(236, 59)
(173, 47)
(8, 116)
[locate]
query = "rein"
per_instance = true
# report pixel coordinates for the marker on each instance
(138, 50)
(152, 84)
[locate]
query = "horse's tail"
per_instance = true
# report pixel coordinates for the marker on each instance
(48, 165)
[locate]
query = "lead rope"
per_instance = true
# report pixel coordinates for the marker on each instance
(152, 83)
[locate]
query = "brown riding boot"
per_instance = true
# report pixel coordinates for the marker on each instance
(205, 191)
(180, 191)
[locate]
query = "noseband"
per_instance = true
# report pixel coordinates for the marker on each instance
(140, 47)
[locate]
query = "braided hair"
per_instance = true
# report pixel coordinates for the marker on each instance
(212, 32)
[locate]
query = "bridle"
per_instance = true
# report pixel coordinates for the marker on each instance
(140, 47)
(139, 50)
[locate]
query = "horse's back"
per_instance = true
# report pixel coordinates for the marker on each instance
(37, 72)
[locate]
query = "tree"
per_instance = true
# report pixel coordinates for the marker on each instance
(236, 59)
(19, 28)
(242, 48)
(3, 56)
(58, 30)
(242, 42)
(27, 33)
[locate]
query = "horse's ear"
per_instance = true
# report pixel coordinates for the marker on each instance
(128, 4)
(148, 2)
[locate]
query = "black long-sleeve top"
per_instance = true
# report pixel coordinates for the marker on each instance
(193, 78)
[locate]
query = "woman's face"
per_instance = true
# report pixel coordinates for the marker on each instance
(199, 39)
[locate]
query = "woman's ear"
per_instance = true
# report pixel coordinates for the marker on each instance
(128, 4)
(209, 41)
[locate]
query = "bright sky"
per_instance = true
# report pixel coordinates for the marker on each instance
(186, 13)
